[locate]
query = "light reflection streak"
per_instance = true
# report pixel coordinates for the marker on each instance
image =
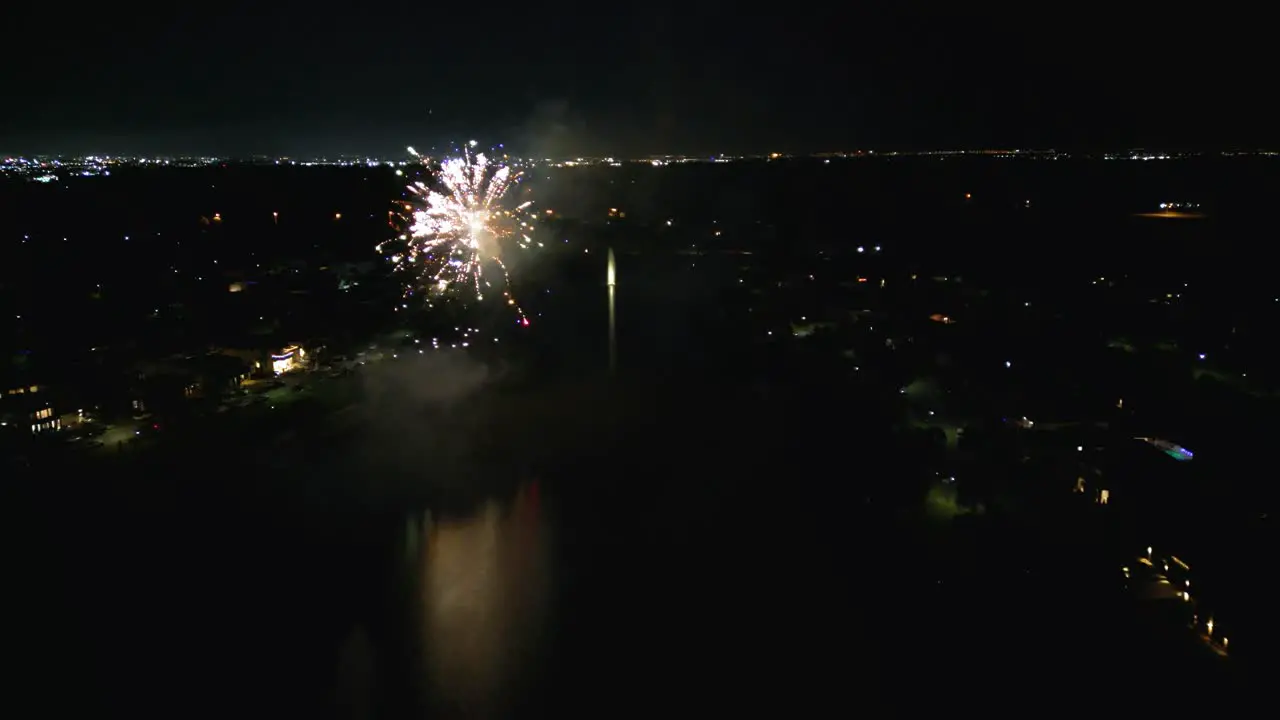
(483, 602)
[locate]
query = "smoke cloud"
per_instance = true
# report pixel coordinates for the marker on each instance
(439, 380)
(553, 131)
(424, 420)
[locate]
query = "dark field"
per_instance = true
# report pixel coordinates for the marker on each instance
(555, 551)
(738, 521)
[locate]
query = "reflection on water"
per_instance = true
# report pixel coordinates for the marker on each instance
(479, 601)
(355, 688)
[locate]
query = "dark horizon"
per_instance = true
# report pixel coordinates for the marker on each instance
(1176, 152)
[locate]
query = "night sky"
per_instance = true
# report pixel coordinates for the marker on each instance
(554, 81)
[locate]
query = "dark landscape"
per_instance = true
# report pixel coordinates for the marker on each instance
(546, 360)
(853, 455)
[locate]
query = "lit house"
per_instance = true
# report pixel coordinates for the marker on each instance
(268, 363)
(29, 405)
(288, 359)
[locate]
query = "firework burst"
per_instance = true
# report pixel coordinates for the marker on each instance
(450, 230)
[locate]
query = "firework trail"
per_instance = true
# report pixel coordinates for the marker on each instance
(450, 231)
